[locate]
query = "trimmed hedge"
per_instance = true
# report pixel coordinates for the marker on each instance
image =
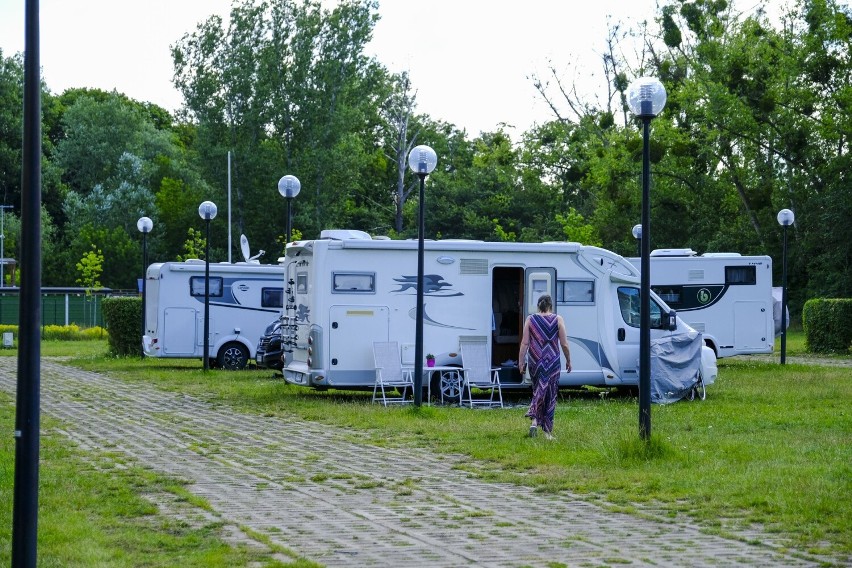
(828, 325)
(123, 320)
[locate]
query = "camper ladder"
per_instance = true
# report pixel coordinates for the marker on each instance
(289, 326)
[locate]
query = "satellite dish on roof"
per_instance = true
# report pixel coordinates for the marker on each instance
(244, 248)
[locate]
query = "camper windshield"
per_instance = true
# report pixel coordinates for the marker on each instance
(628, 301)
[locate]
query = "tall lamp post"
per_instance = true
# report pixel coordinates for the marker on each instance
(422, 160)
(288, 187)
(646, 97)
(207, 211)
(637, 234)
(785, 219)
(144, 224)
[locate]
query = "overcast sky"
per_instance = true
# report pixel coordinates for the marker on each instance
(469, 60)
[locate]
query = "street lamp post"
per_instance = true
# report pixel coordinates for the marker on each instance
(637, 234)
(207, 211)
(422, 160)
(785, 219)
(646, 97)
(288, 187)
(144, 224)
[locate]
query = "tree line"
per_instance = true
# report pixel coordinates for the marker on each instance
(758, 119)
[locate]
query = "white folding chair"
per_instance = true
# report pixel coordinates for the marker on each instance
(391, 375)
(480, 375)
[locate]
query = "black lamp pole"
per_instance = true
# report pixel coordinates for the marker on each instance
(418, 338)
(27, 415)
(144, 224)
(289, 187)
(144, 279)
(206, 354)
(207, 211)
(646, 97)
(422, 160)
(785, 218)
(645, 283)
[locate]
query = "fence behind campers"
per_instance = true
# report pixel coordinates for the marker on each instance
(60, 306)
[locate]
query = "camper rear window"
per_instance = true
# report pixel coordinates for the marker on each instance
(575, 292)
(740, 275)
(272, 297)
(196, 286)
(353, 283)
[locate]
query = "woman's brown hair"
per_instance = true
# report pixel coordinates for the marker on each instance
(545, 303)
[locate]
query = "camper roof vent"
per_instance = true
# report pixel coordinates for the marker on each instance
(345, 235)
(674, 252)
(721, 254)
(194, 261)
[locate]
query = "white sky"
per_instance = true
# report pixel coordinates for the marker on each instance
(469, 60)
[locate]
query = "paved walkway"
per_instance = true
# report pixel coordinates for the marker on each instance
(319, 492)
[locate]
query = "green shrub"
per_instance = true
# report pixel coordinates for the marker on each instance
(828, 325)
(52, 332)
(123, 316)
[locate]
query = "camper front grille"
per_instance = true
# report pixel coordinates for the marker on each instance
(473, 266)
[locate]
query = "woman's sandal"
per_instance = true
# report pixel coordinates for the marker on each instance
(533, 431)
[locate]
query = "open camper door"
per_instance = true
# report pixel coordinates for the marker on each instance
(538, 282)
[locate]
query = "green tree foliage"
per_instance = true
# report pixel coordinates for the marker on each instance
(11, 117)
(90, 267)
(287, 88)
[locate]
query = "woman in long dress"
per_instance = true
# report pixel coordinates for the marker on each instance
(544, 333)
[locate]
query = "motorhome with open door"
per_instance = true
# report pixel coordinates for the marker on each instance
(349, 290)
(725, 296)
(244, 298)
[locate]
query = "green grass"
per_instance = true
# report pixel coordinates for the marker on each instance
(92, 513)
(769, 446)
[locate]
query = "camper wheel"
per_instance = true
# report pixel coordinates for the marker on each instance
(446, 386)
(233, 356)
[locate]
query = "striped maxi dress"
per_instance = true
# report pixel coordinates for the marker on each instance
(543, 356)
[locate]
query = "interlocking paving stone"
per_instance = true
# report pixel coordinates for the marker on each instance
(317, 491)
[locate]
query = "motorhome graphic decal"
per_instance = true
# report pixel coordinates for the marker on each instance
(412, 313)
(433, 285)
(691, 297)
(303, 313)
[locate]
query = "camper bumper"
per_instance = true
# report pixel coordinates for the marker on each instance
(709, 369)
(149, 345)
(298, 374)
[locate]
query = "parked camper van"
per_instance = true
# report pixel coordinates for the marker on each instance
(350, 290)
(725, 296)
(244, 297)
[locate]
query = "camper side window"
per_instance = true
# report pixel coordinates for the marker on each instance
(628, 301)
(672, 295)
(740, 275)
(575, 292)
(353, 283)
(196, 286)
(301, 282)
(272, 298)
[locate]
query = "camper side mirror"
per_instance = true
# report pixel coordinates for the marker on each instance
(672, 320)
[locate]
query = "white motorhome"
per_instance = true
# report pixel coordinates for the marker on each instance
(244, 298)
(725, 296)
(350, 290)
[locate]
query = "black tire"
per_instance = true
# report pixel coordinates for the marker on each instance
(233, 357)
(446, 386)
